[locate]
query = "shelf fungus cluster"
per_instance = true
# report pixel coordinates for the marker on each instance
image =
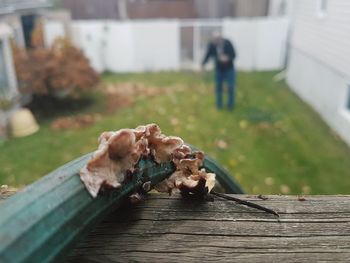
(119, 152)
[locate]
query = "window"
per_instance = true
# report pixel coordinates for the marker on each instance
(28, 25)
(322, 8)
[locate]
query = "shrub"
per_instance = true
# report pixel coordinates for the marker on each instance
(56, 71)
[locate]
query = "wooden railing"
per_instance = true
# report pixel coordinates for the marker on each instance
(169, 229)
(44, 220)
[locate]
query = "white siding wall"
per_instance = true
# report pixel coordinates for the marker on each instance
(325, 37)
(281, 7)
(323, 88)
(319, 60)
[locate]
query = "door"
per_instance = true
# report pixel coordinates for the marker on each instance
(28, 25)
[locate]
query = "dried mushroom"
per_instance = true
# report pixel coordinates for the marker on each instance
(119, 152)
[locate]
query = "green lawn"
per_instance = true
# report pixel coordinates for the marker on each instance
(271, 142)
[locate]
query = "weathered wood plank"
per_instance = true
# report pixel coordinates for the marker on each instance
(170, 229)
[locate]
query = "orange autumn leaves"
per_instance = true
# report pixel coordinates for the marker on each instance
(58, 70)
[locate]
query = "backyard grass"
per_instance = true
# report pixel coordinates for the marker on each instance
(272, 142)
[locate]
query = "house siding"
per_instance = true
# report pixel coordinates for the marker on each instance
(323, 88)
(319, 60)
(326, 37)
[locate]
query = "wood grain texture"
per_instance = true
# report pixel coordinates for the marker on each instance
(170, 229)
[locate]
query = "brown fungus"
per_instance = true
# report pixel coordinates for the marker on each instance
(119, 152)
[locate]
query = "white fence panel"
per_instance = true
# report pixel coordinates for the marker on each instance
(118, 48)
(129, 46)
(153, 45)
(52, 31)
(156, 45)
(271, 43)
(260, 43)
(242, 33)
(88, 35)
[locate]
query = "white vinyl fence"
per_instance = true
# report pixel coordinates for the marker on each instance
(153, 45)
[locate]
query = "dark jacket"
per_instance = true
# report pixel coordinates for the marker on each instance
(228, 50)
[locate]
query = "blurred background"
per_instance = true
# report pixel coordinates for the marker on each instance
(71, 69)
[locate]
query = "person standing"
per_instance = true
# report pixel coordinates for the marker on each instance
(223, 52)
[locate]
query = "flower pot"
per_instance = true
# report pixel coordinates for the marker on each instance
(23, 123)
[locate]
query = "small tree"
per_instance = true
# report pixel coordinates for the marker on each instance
(60, 69)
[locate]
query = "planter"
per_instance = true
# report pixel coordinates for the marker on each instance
(23, 123)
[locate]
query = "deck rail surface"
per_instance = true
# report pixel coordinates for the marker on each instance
(171, 229)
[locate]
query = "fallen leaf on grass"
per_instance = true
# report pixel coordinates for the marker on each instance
(284, 189)
(256, 189)
(241, 158)
(122, 95)
(174, 121)
(264, 126)
(161, 111)
(233, 162)
(243, 124)
(77, 122)
(190, 127)
(238, 176)
(223, 131)
(306, 190)
(191, 118)
(269, 181)
(221, 144)
(115, 102)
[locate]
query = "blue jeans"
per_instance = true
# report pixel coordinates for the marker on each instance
(220, 77)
